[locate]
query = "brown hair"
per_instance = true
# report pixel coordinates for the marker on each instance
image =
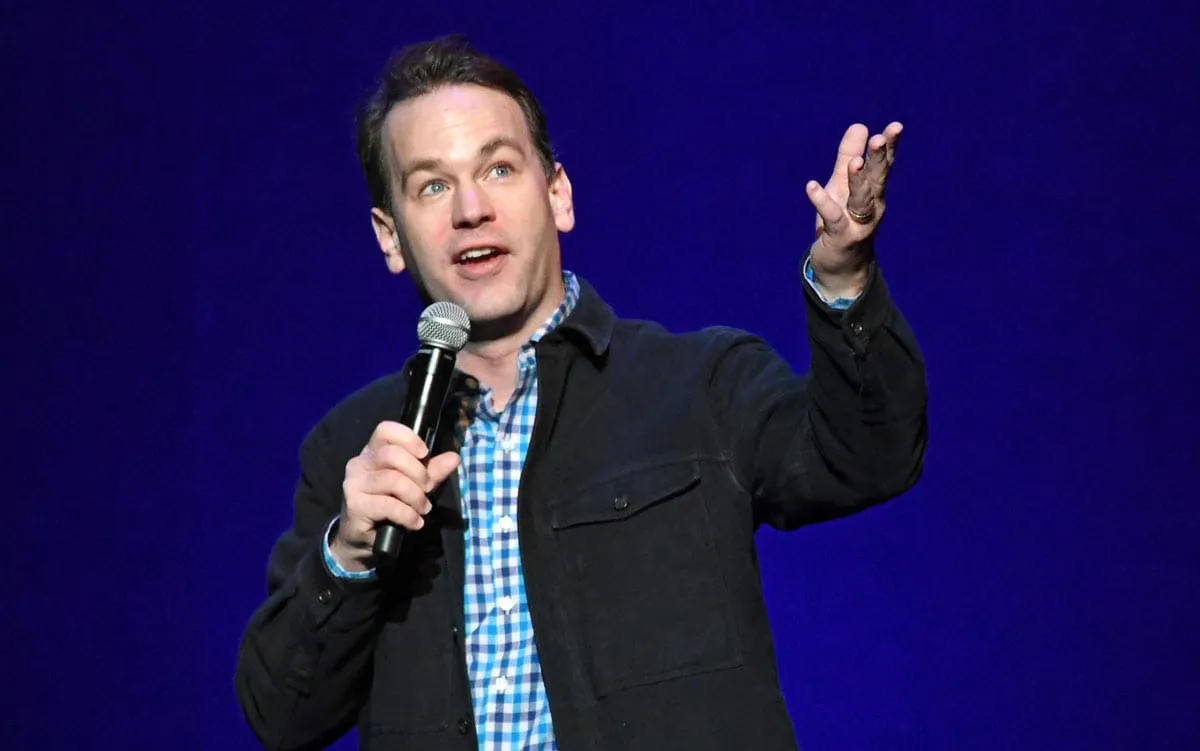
(421, 68)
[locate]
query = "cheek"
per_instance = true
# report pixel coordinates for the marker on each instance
(530, 214)
(429, 241)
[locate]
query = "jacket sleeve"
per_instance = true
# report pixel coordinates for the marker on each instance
(849, 434)
(305, 656)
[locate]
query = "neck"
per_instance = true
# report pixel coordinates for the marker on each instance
(492, 357)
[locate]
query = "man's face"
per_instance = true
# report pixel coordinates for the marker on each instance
(475, 221)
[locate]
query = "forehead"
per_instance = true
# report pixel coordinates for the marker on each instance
(451, 123)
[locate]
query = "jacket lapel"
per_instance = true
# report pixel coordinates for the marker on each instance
(458, 415)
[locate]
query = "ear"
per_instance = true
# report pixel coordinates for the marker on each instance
(388, 238)
(562, 202)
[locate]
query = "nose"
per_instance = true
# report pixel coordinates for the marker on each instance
(471, 207)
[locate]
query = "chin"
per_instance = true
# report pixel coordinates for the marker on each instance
(489, 313)
(482, 302)
(492, 317)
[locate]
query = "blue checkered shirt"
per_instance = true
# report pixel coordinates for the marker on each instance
(512, 712)
(511, 709)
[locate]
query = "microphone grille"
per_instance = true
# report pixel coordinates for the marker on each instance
(444, 324)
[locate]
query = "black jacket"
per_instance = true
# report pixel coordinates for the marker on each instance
(655, 456)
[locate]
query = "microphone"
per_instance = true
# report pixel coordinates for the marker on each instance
(442, 330)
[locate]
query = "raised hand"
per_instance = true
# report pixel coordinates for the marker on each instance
(850, 208)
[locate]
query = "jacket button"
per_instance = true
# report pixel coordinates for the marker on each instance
(857, 328)
(620, 503)
(324, 596)
(464, 726)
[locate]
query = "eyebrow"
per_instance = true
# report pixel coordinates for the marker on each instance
(485, 151)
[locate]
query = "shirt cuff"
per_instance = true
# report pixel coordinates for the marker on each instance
(840, 303)
(332, 564)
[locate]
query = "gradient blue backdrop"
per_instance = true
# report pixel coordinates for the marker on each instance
(190, 281)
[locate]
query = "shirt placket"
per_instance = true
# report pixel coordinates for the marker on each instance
(508, 584)
(478, 510)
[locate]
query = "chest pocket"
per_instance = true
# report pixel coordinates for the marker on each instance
(640, 558)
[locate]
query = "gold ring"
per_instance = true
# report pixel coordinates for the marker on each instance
(860, 218)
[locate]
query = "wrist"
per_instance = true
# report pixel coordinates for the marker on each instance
(846, 284)
(844, 292)
(345, 560)
(840, 270)
(349, 558)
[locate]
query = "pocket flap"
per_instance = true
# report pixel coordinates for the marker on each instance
(626, 494)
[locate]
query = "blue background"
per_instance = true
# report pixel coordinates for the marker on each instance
(190, 281)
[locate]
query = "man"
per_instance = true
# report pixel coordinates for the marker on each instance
(577, 569)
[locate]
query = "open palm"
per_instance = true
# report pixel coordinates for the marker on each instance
(850, 206)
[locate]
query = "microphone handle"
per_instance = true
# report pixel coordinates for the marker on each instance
(428, 379)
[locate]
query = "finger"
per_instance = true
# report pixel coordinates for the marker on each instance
(388, 432)
(389, 482)
(829, 210)
(892, 134)
(877, 161)
(862, 194)
(854, 140)
(400, 459)
(382, 508)
(881, 154)
(440, 468)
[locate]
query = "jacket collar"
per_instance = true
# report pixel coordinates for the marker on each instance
(591, 323)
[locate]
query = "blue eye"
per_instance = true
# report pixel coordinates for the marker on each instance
(502, 170)
(429, 189)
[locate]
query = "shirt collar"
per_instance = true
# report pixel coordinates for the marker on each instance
(565, 308)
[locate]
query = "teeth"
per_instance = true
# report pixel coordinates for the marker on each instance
(475, 253)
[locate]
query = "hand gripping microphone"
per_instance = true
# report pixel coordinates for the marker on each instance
(442, 330)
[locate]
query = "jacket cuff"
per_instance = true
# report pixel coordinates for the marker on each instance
(857, 324)
(336, 602)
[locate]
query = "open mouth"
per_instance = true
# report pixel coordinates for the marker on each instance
(476, 256)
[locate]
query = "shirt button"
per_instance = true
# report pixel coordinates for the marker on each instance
(507, 524)
(506, 603)
(507, 444)
(501, 683)
(324, 596)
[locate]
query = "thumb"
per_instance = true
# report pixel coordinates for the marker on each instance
(440, 467)
(828, 209)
